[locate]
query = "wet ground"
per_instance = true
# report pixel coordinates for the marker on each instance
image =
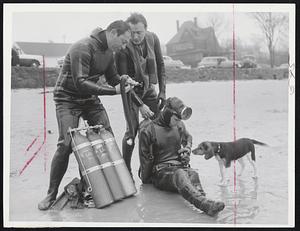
(261, 113)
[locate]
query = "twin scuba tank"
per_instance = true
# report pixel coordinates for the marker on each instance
(102, 166)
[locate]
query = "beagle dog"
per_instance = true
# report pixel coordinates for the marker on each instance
(225, 152)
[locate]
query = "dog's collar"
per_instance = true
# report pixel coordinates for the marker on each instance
(219, 149)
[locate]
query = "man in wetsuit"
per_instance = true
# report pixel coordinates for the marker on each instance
(164, 150)
(143, 61)
(76, 92)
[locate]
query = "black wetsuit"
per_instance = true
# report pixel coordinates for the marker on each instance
(76, 95)
(126, 65)
(161, 165)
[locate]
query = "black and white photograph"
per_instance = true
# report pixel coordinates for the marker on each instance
(149, 115)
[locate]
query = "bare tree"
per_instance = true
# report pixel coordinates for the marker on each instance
(272, 25)
(217, 22)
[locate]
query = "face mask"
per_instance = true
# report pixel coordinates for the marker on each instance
(179, 108)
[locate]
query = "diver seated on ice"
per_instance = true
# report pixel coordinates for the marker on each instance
(164, 151)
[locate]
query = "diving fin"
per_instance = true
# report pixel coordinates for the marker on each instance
(60, 202)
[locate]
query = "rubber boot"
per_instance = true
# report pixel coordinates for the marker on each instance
(58, 168)
(198, 186)
(210, 207)
(195, 180)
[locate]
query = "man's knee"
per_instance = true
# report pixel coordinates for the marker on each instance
(179, 177)
(64, 149)
(194, 176)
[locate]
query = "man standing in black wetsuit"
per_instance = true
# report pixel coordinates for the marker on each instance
(76, 92)
(143, 61)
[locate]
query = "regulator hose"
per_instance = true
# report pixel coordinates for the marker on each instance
(126, 108)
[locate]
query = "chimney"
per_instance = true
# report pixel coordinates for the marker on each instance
(195, 21)
(177, 24)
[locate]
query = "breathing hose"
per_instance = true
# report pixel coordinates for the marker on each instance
(126, 108)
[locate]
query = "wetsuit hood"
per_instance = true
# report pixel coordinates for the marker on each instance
(173, 106)
(100, 36)
(164, 118)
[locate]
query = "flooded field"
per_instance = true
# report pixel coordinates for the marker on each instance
(261, 114)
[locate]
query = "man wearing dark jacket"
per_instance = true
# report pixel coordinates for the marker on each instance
(76, 92)
(164, 151)
(142, 60)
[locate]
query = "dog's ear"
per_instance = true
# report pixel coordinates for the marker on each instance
(205, 146)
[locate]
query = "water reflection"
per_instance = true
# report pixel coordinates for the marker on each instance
(144, 208)
(54, 215)
(158, 206)
(241, 206)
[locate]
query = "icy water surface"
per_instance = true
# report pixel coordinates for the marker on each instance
(261, 113)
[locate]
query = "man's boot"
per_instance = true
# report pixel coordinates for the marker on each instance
(198, 186)
(48, 200)
(210, 207)
(58, 168)
(195, 180)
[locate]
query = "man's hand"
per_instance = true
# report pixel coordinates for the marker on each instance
(185, 158)
(129, 80)
(118, 88)
(145, 111)
(184, 154)
(184, 150)
(161, 99)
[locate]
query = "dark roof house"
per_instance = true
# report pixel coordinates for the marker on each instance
(191, 43)
(46, 49)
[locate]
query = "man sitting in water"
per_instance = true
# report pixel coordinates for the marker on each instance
(164, 150)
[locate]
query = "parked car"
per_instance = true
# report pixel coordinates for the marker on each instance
(169, 62)
(263, 66)
(28, 60)
(217, 62)
(60, 61)
(248, 61)
(283, 66)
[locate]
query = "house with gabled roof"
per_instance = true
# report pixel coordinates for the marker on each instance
(52, 51)
(192, 43)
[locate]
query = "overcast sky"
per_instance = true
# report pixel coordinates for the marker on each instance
(64, 26)
(69, 27)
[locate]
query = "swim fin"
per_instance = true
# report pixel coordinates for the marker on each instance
(60, 202)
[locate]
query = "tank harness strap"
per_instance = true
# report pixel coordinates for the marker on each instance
(90, 170)
(97, 167)
(153, 131)
(81, 146)
(117, 162)
(109, 140)
(95, 142)
(105, 165)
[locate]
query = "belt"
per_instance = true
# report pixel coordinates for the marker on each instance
(161, 166)
(73, 96)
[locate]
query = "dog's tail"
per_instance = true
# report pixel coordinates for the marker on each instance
(258, 143)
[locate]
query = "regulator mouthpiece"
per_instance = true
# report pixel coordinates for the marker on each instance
(179, 108)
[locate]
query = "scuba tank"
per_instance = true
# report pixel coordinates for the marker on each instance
(112, 149)
(91, 170)
(108, 169)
